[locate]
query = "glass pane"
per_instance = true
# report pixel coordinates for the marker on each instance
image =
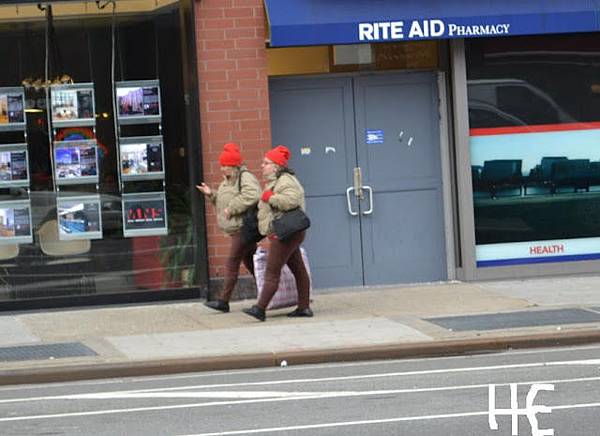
(106, 215)
(535, 148)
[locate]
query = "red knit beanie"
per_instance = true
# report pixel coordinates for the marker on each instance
(231, 156)
(279, 155)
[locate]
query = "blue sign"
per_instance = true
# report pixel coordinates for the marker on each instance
(319, 22)
(374, 136)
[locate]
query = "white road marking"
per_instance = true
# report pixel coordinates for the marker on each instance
(217, 394)
(576, 362)
(374, 421)
(328, 379)
(257, 397)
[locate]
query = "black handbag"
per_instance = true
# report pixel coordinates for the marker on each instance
(249, 230)
(290, 223)
(250, 233)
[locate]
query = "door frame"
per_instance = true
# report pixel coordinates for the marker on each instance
(447, 159)
(451, 231)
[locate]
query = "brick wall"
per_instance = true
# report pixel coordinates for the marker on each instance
(234, 96)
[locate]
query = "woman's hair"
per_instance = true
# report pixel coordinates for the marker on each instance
(282, 170)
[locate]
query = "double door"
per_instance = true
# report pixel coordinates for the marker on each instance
(366, 149)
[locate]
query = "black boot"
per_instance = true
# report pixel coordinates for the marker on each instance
(301, 313)
(255, 312)
(220, 305)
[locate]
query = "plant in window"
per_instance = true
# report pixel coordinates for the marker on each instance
(176, 248)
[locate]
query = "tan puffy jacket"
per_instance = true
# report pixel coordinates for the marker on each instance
(288, 194)
(236, 195)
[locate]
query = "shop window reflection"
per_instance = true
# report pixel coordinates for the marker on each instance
(115, 264)
(534, 116)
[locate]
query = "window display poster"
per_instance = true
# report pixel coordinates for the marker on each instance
(76, 162)
(72, 105)
(79, 218)
(15, 222)
(13, 168)
(142, 158)
(144, 214)
(536, 193)
(12, 107)
(138, 99)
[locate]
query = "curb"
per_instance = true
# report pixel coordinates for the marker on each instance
(262, 360)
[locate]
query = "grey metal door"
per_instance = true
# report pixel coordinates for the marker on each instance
(315, 119)
(403, 233)
(366, 149)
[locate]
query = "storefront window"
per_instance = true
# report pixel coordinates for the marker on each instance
(94, 196)
(534, 117)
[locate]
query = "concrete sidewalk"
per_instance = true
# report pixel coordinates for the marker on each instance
(349, 324)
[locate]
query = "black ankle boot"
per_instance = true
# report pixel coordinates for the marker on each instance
(255, 312)
(301, 313)
(220, 305)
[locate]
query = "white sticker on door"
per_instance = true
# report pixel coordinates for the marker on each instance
(374, 136)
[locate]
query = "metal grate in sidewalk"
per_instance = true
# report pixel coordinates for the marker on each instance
(45, 351)
(533, 318)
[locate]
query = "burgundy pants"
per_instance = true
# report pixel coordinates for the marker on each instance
(280, 254)
(238, 252)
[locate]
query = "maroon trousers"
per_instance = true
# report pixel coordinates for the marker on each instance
(280, 254)
(238, 252)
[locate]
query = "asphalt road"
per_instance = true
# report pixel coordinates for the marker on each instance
(437, 396)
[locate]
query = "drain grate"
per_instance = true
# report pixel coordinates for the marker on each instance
(45, 351)
(516, 319)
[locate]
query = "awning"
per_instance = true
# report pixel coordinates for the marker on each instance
(319, 22)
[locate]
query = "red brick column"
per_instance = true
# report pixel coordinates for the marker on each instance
(234, 96)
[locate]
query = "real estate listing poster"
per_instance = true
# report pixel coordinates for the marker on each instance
(72, 105)
(12, 108)
(15, 222)
(138, 102)
(144, 214)
(142, 158)
(79, 217)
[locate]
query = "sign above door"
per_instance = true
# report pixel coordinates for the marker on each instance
(318, 22)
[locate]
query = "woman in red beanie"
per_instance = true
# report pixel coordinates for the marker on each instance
(282, 192)
(238, 192)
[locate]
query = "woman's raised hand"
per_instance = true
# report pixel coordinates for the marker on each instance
(204, 188)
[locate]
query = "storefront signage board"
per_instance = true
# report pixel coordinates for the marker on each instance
(317, 22)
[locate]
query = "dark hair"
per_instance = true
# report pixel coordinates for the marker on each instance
(284, 170)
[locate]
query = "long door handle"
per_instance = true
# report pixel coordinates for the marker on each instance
(358, 183)
(370, 190)
(348, 191)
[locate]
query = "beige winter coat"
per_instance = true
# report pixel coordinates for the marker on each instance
(237, 197)
(288, 194)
